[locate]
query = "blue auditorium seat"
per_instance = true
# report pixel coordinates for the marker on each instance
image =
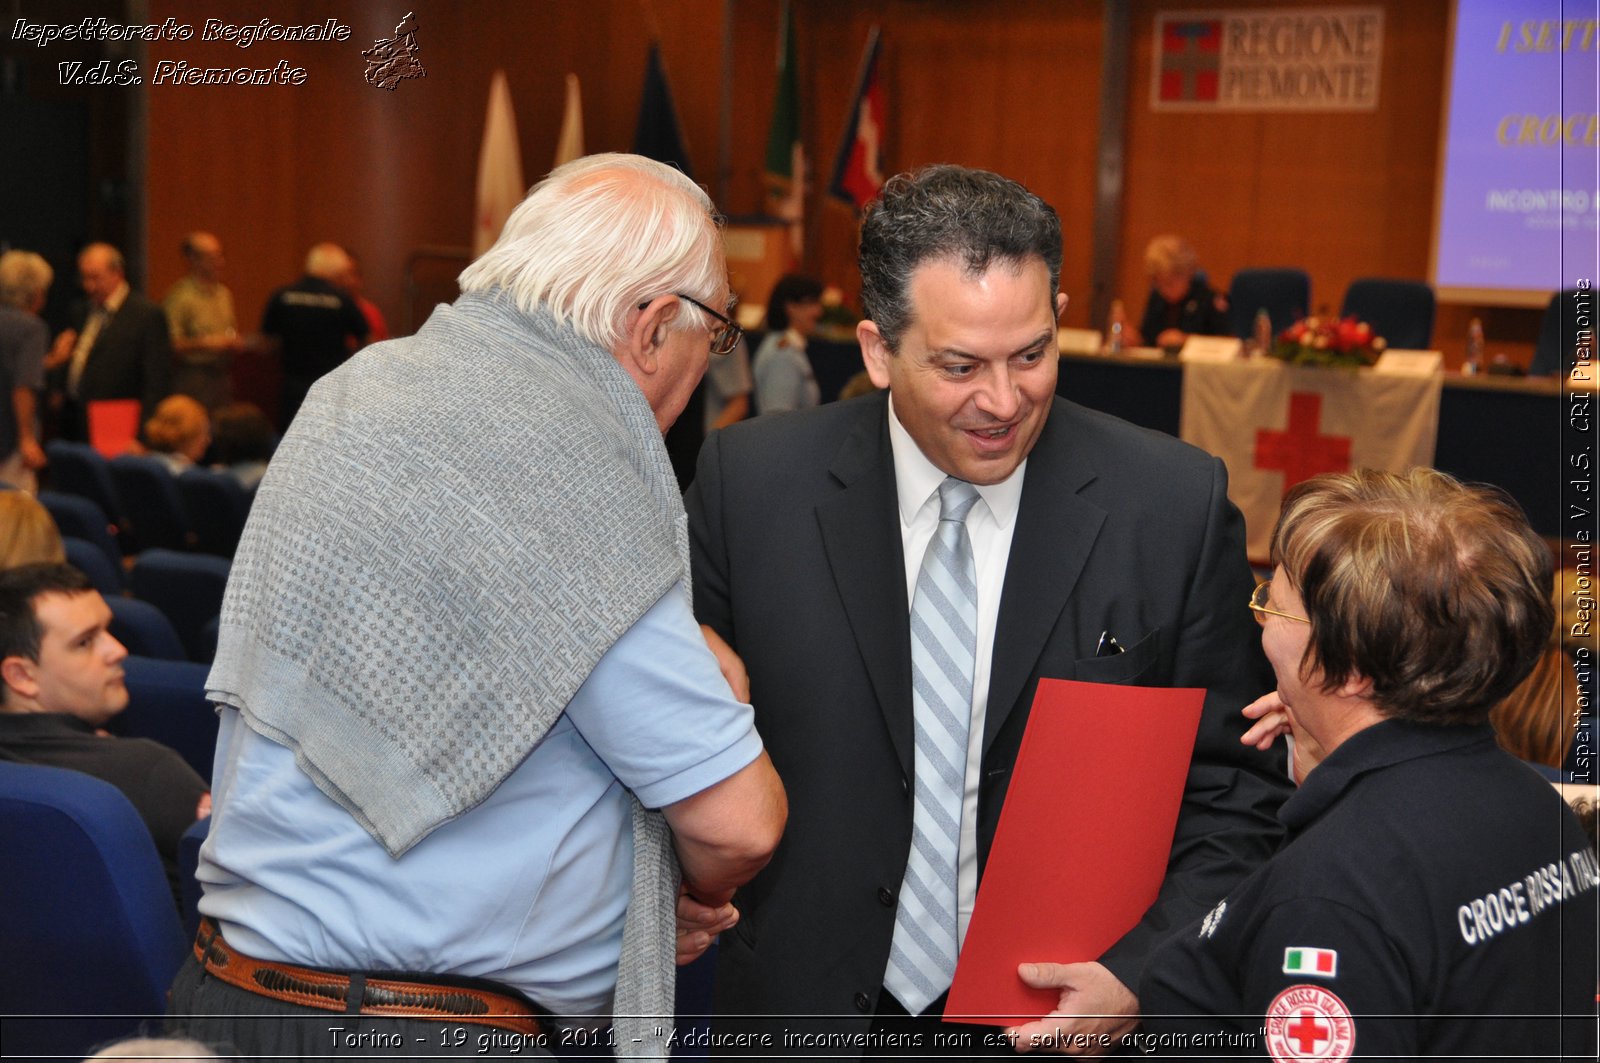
(1400, 311)
(186, 587)
(82, 518)
(216, 506)
(1285, 294)
(90, 936)
(150, 500)
(79, 469)
(167, 703)
(92, 562)
(145, 630)
(1569, 315)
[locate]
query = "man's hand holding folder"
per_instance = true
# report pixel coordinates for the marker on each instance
(1079, 856)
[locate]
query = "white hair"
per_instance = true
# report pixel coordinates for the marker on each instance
(23, 275)
(148, 1048)
(599, 236)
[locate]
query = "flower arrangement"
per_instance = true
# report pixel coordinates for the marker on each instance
(1329, 341)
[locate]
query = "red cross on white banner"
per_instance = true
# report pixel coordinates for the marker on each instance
(1276, 426)
(1300, 451)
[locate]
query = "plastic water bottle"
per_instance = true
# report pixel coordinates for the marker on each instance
(1262, 334)
(1473, 363)
(1116, 327)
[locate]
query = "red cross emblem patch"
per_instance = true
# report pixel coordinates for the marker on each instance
(1306, 1022)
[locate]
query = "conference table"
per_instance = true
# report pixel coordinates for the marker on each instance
(1492, 429)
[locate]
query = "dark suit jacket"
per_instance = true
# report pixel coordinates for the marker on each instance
(131, 357)
(798, 564)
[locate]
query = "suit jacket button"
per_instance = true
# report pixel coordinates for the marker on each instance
(863, 1002)
(886, 896)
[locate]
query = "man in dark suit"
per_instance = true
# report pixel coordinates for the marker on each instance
(121, 347)
(1098, 551)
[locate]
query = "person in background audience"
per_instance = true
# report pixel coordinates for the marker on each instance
(24, 338)
(1434, 898)
(179, 434)
(723, 398)
(148, 1049)
(355, 283)
(242, 441)
(458, 664)
(121, 348)
(314, 323)
(28, 534)
(1181, 302)
(783, 376)
(1536, 721)
(858, 385)
(61, 681)
(205, 337)
(727, 389)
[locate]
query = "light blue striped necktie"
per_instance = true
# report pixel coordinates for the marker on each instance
(944, 638)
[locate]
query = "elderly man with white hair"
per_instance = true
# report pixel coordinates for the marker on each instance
(473, 743)
(24, 338)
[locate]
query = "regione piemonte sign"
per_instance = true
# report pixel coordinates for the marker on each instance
(1267, 59)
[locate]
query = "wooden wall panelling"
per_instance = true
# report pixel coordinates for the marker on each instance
(275, 169)
(1009, 85)
(1342, 194)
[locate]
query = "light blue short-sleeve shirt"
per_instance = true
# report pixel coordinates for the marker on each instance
(784, 379)
(530, 887)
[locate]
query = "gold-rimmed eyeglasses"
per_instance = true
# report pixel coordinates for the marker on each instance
(1258, 604)
(724, 338)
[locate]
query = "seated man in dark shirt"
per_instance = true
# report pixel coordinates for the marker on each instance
(61, 679)
(1181, 302)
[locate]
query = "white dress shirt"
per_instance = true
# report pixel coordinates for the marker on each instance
(990, 524)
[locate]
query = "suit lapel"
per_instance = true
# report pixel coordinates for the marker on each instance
(109, 328)
(861, 534)
(1055, 530)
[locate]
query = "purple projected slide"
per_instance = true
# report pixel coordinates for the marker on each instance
(1519, 206)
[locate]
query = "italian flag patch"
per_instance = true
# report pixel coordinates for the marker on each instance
(1322, 963)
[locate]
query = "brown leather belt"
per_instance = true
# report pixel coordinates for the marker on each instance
(391, 997)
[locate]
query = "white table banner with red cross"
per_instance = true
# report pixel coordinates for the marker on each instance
(1275, 425)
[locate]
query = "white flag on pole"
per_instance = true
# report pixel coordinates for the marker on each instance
(569, 145)
(500, 185)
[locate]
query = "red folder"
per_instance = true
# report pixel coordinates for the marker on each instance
(113, 424)
(1082, 843)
